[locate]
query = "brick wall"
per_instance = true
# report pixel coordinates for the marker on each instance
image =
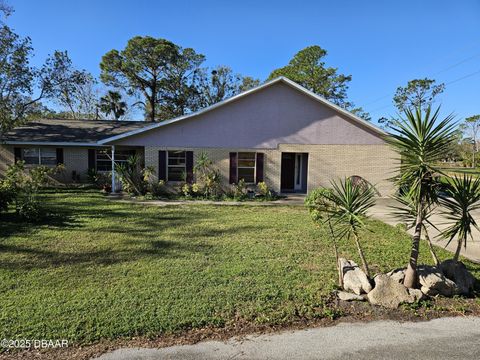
(75, 159)
(375, 163)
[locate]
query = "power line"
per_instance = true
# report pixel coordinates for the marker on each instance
(438, 72)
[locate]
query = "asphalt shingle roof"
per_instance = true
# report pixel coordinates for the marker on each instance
(73, 131)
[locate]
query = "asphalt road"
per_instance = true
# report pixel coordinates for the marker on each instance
(447, 338)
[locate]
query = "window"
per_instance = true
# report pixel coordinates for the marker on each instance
(246, 166)
(40, 156)
(176, 169)
(104, 158)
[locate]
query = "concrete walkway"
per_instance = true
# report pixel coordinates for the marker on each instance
(447, 338)
(383, 211)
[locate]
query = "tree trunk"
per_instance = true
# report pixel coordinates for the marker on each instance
(411, 272)
(360, 252)
(430, 246)
(459, 247)
(335, 249)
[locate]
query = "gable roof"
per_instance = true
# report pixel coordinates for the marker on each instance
(68, 131)
(376, 130)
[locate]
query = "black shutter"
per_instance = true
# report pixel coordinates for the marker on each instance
(259, 167)
(59, 156)
(18, 153)
(233, 168)
(162, 165)
(189, 166)
(91, 159)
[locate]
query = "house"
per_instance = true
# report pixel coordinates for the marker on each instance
(278, 132)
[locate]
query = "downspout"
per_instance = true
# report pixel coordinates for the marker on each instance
(113, 169)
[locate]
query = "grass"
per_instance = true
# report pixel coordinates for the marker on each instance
(102, 269)
(460, 170)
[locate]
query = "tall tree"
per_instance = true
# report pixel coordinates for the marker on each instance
(158, 69)
(308, 69)
(75, 93)
(471, 128)
(417, 93)
(111, 103)
(222, 83)
(22, 86)
(421, 140)
(178, 93)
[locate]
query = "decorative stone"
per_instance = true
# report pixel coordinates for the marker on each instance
(458, 273)
(433, 282)
(346, 296)
(397, 275)
(389, 293)
(354, 279)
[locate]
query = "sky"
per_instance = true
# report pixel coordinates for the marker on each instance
(382, 44)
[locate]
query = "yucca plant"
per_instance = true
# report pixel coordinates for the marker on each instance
(420, 139)
(350, 205)
(407, 212)
(461, 197)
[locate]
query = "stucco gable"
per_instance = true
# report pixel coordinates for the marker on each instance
(264, 118)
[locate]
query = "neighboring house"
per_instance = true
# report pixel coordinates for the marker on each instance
(279, 133)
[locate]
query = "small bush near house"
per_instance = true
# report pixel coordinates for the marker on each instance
(208, 177)
(264, 192)
(239, 190)
(21, 188)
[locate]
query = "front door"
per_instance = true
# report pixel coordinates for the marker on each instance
(287, 176)
(298, 172)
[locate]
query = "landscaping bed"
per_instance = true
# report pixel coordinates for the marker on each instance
(116, 274)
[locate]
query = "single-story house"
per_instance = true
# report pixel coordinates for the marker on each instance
(278, 132)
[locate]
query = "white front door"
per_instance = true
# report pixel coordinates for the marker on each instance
(298, 172)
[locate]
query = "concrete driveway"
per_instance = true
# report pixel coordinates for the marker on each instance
(447, 338)
(383, 212)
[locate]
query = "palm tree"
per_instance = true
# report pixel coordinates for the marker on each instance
(351, 203)
(421, 140)
(461, 197)
(407, 212)
(111, 104)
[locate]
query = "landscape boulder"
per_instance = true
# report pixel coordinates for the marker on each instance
(346, 296)
(397, 275)
(458, 273)
(389, 292)
(354, 279)
(433, 282)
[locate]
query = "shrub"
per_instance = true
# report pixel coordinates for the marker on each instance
(158, 189)
(208, 176)
(24, 188)
(239, 190)
(7, 195)
(265, 192)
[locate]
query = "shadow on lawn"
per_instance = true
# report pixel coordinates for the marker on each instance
(25, 258)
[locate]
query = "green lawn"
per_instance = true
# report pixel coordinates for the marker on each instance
(103, 269)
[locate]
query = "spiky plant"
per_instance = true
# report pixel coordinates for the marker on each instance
(407, 213)
(420, 139)
(461, 197)
(350, 209)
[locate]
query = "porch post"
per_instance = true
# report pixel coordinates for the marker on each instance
(113, 169)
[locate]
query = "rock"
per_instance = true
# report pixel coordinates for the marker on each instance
(458, 273)
(346, 296)
(397, 275)
(433, 282)
(416, 294)
(389, 293)
(354, 279)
